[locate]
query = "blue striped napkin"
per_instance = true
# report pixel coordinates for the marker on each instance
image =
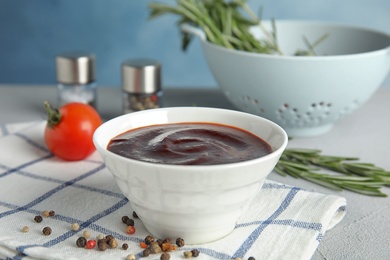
(283, 222)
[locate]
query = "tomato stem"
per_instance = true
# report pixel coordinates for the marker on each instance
(53, 114)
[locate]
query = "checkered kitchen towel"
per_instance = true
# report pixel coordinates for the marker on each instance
(283, 222)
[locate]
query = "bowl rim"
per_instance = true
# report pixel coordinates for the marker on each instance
(274, 153)
(382, 51)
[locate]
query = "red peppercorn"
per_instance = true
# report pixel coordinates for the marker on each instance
(143, 245)
(130, 230)
(90, 244)
(154, 98)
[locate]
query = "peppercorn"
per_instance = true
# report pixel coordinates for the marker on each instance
(45, 213)
(167, 247)
(86, 234)
(160, 242)
(25, 229)
(187, 254)
(38, 219)
(100, 236)
(251, 258)
(113, 243)
(180, 242)
(130, 230)
(90, 244)
(155, 248)
(130, 257)
(52, 213)
(109, 238)
(195, 253)
(165, 256)
(102, 244)
(146, 252)
(46, 231)
(125, 246)
(130, 222)
(143, 245)
(124, 219)
(149, 239)
(135, 214)
(81, 242)
(75, 227)
(167, 240)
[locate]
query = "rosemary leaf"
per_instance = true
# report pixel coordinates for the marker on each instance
(323, 183)
(296, 165)
(364, 191)
(280, 171)
(302, 151)
(362, 184)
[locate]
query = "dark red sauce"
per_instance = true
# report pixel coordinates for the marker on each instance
(189, 144)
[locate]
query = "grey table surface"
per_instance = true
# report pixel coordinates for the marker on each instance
(364, 233)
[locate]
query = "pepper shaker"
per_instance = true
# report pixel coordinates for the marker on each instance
(141, 85)
(76, 78)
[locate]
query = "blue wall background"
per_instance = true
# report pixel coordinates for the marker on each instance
(32, 32)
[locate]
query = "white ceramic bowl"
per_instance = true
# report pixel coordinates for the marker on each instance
(304, 95)
(200, 203)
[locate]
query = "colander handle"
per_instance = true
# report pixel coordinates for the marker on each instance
(194, 31)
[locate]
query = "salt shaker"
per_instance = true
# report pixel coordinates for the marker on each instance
(76, 78)
(141, 85)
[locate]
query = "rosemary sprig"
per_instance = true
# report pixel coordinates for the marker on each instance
(225, 23)
(311, 46)
(363, 178)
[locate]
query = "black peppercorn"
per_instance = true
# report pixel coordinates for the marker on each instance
(124, 219)
(125, 246)
(130, 222)
(159, 242)
(46, 231)
(52, 213)
(167, 240)
(38, 219)
(148, 239)
(81, 242)
(251, 258)
(165, 256)
(180, 242)
(102, 244)
(146, 252)
(195, 253)
(108, 238)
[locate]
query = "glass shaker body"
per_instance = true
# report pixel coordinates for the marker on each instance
(76, 78)
(140, 101)
(141, 85)
(84, 93)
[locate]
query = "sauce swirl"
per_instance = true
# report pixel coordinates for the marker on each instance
(189, 144)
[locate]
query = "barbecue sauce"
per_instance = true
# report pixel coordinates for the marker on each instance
(189, 144)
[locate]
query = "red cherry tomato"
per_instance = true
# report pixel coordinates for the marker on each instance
(69, 130)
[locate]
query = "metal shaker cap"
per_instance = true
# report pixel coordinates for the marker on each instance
(75, 67)
(141, 76)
